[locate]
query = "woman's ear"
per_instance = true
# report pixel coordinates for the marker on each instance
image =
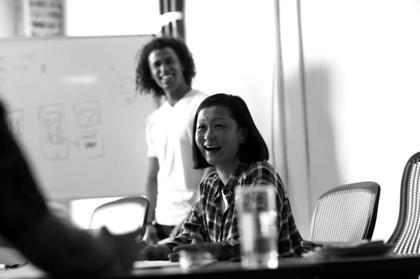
(243, 135)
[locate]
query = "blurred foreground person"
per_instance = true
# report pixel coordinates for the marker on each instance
(43, 238)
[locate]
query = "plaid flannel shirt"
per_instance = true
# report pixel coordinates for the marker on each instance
(208, 220)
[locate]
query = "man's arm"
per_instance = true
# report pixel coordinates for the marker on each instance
(151, 192)
(151, 186)
(60, 248)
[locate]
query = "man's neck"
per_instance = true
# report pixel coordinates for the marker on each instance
(173, 96)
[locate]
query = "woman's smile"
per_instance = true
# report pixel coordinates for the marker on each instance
(212, 148)
(218, 136)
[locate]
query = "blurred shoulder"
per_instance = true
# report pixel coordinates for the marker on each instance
(263, 167)
(262, 172)
(192, 100)
(197, 96)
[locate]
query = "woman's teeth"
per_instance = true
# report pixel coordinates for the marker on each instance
(212, 147)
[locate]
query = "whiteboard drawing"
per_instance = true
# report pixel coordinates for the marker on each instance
(91, 143)
(80, 121)
(123, 86)
(15, 120)
(51, 122)
(88, 115)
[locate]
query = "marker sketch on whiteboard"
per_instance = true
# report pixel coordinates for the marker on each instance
(51, 123)
(123, 86)
(91, 142)
(88, 115)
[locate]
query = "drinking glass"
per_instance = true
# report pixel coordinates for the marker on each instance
(257, 216)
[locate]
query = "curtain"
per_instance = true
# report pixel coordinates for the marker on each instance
(290, 135)
(173, 10)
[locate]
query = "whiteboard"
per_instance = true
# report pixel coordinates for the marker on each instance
(73, 107)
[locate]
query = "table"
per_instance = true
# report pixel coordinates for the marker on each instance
(354, 267)
(310, 267)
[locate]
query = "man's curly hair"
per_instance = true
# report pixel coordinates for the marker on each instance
(144, 80)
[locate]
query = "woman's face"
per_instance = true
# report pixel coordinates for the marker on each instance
(218, 137)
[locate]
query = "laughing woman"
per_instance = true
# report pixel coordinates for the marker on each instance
(227, 141)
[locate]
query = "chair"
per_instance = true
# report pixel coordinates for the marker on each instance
(406, 235)
(128, 214)
(344, 214)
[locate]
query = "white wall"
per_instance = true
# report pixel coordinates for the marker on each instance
(362, 64)
(7, 18)
(111, 17)
(234, 46)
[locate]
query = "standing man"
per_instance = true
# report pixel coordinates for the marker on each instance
(166, 69)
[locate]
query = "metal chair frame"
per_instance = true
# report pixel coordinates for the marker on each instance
(141, 200)
(406, 235)
(366, 186)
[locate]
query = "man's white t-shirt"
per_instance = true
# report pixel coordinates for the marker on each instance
(169, 138)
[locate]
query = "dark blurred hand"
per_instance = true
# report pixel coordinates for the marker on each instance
(150, 236)
(148, 252)
(125, 249)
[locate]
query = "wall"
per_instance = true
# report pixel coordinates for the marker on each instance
(114, 17)
(7, 18)
(233, 46)
(361, 66)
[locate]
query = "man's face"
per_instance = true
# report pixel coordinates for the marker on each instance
(166, 69)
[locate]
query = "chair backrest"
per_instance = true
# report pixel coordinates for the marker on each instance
(346, 213)
(124, 215)
(406, 235)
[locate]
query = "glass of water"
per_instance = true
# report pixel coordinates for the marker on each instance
(257, 216)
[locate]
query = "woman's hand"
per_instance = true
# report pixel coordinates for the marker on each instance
(217, 249)
(152, 253)
(197, 245)
(150, 236)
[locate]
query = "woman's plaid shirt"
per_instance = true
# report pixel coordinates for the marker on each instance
(208, 220)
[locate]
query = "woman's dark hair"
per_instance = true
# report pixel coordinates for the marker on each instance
(144, 80)
(253, 149)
